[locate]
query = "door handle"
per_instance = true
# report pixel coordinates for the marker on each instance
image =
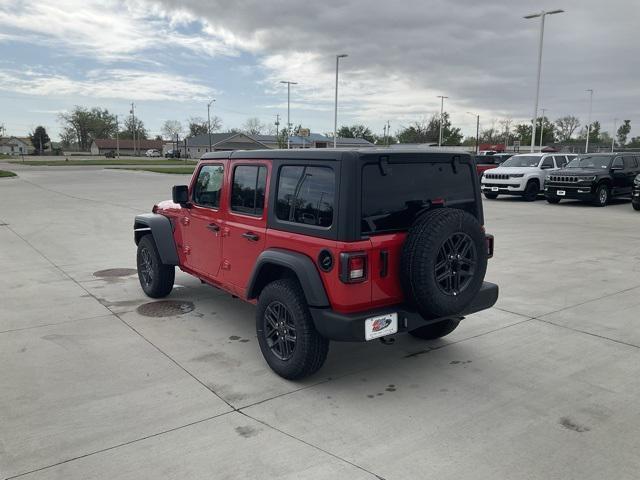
(252, 237)
(214, 227)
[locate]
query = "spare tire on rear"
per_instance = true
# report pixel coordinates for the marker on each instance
(443, 263)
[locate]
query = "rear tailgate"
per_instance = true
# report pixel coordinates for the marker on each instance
(385, 268)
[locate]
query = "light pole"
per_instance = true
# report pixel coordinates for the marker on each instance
(613, 136)
(335, 113)
(542, 127)
(586, 147)
(477, 130)
(441, 97)
(209, 120)
(288, 109)
(542, 14)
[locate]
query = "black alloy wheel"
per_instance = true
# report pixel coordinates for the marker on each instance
(280, 330)
(145, 268)
(456, 264)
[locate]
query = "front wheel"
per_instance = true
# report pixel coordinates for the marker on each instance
(156, 278)
(435, 330)
(554, 200)
(288, 339)
(531, 191)
(636, 206)
(491, 196)
(602, 196)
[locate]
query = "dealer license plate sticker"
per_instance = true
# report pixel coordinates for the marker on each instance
(494, 189)
(376, 327)
(561, 193)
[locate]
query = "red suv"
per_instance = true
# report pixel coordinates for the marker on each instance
(330, 244)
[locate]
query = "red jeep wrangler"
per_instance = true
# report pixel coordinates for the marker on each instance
(330, 244)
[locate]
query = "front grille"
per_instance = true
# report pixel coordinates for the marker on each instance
(497, 176)
(563, 179)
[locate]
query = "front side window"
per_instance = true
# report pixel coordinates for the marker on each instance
(591, 161)
(522, 161)
(206, 191)
(617, 163)
(306, 195)
(249, 185)
(547, 163)
(561, 160)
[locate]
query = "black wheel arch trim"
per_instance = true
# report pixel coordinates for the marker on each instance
(302, 266)
(162, 231)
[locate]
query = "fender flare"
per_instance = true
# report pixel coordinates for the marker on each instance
(301, 265)
(162, 231)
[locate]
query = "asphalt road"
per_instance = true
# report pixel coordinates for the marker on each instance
(94, 386)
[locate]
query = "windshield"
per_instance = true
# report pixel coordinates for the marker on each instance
(522, 161)
(591, 161)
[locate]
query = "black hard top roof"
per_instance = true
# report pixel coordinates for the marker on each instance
(326, 153)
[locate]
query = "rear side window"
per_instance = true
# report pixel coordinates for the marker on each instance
(305, 195)
(561, 160)
(247, 193)
(630, 163)
(206, 191)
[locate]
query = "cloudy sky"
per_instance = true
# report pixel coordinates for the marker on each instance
(171, 56)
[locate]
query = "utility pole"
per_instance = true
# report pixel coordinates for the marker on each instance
(288, 109)
(117, 139)
(613, 136)
(441, 97)
(133, 127)
(542, 16)
(542, 127)
(477, 130)
(209, 120)
(388, 138)
(586, 148)
(335, 112)
(277, 125)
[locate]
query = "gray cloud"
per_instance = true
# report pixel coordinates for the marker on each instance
(482, 54)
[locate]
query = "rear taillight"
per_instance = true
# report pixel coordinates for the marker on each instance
(353, 267)
(490, 242)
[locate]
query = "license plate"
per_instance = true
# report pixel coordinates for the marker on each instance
(376, 327)
(561, 193)
(494, 189)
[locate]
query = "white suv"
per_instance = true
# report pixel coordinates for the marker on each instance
(522, 175)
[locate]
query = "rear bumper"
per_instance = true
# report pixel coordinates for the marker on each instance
(350, 327)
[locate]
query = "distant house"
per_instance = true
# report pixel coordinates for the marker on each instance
(199, 145)
(102, 146)
(16, 146)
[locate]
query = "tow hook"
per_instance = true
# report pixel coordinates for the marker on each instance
(387, 340)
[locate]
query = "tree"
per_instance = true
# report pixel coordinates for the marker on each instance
(132, 126)
(623, 132)
(198, 126)
(594, 133)
(634, 142)
(523, 132)
(565, 126)
(429, 131)
(67, 137)
(88, 124)
(39, 139)
(253, 126)
(171, 128)
(357, 131)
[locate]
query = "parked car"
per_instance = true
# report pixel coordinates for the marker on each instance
(522, 175)
(594, 177)
(172, 154)
(152, 152)
(488, 162)
(283, 229)
(110, 154)
(635, 196)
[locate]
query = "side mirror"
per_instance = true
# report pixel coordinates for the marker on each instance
(546, 167)
(180, 194)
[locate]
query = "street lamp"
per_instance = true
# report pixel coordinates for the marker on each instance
(335, 113)
(209, 120)
(613, 136)
(441, 97)
(477, 130)
(590, 90)
(542, 15)
(288, 109)
(542, 127)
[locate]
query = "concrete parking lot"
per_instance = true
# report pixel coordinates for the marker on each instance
(94, 384)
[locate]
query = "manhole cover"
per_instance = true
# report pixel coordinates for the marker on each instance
(115, 272)
(165, 308)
